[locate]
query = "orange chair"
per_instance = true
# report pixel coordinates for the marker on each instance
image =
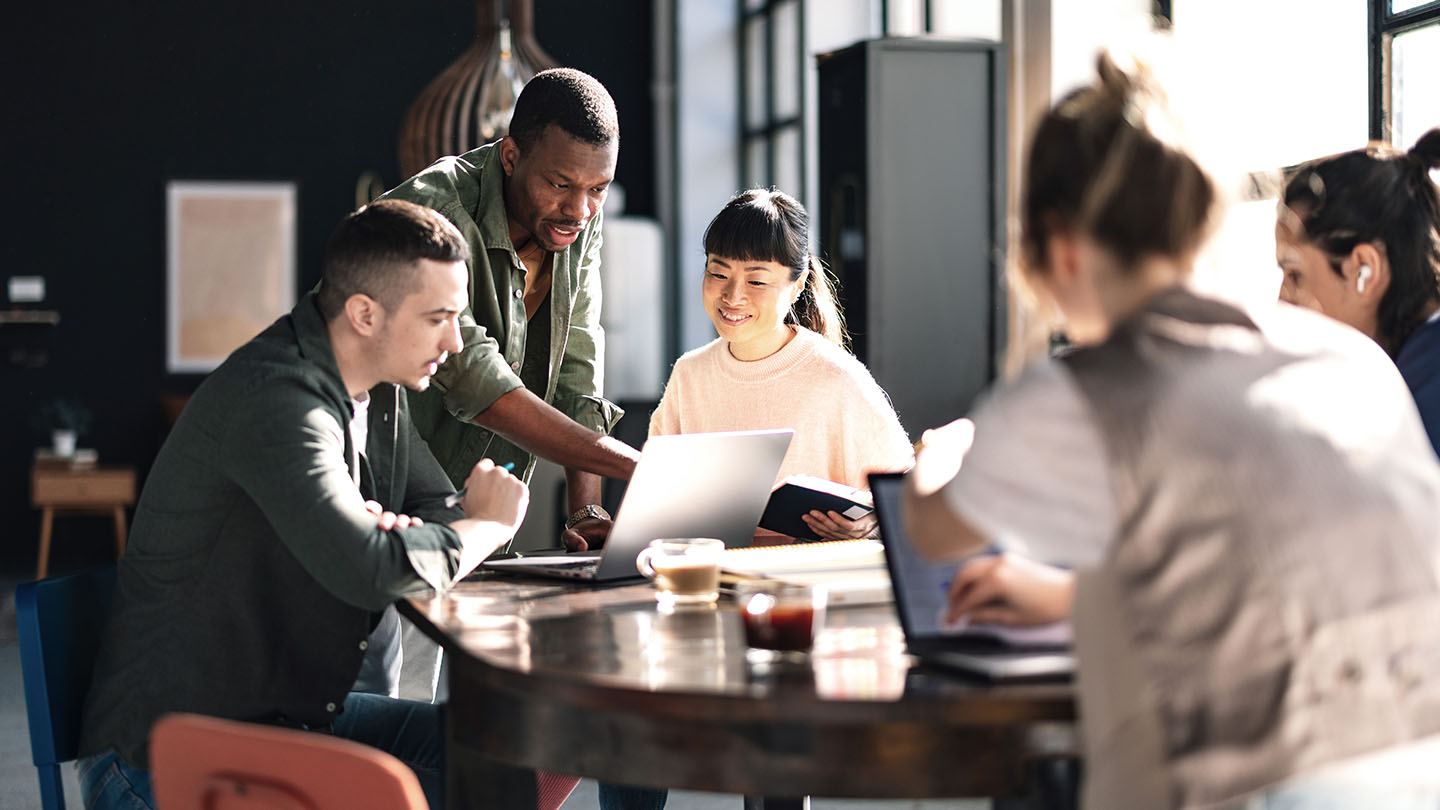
(205, 763)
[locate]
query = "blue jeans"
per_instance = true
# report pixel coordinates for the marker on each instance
(624, 797)
(408, 730)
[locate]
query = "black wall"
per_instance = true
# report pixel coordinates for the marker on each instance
(105, 104)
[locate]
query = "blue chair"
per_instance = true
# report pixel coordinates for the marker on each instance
(60, 621)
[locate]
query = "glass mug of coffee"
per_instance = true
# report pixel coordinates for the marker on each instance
(781, 618)
(686, 570)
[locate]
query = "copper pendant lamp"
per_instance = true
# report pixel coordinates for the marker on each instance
(469, 104)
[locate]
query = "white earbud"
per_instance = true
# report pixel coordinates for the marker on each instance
(1362, 276)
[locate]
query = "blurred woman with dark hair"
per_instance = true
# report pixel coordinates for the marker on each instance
(1248, 510)
(1358, 238)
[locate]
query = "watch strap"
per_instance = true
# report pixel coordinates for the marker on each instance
(589, 510)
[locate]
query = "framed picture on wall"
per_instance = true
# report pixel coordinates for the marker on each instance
(230, 266)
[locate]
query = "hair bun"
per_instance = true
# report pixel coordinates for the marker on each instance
(1427, 149)
(1116, 85)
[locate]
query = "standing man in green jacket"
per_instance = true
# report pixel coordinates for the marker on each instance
(529, 381)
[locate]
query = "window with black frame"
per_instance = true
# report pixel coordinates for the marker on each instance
(1404, 69)
(778, 44)
(772, 53)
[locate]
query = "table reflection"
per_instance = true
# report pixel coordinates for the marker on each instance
(598, 681)
(691, 648)
(620, 635)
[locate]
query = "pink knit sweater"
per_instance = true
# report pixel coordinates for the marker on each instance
(844, 424)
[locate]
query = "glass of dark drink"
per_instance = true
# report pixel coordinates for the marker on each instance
(781, 618)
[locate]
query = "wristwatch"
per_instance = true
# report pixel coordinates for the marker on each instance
(589, 510)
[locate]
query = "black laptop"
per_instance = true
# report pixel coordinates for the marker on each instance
(990, 652)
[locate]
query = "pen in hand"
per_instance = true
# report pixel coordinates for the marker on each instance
(454, 498)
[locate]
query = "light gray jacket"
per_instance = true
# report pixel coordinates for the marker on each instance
(1271, 600)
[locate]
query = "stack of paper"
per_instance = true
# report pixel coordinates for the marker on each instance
(852, 571)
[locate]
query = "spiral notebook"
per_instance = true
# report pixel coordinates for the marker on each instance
(852, 571)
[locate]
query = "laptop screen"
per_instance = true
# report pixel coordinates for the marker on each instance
(921, 585)
(922, 589)
(685, 485)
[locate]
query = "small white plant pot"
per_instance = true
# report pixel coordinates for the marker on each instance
(62, 443)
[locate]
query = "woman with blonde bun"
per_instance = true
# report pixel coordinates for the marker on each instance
(1245, 507)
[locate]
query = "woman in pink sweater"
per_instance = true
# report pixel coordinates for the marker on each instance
(780, 360)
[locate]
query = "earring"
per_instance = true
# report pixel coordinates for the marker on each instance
(1362, 276)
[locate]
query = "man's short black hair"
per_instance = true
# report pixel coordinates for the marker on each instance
(374, 250)
(568, 98)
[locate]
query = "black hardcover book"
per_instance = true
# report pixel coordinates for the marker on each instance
(799, 494)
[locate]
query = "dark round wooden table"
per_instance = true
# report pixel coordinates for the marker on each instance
(597, 682)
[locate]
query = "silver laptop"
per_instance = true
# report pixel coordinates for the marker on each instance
(990, 652)
(686, 485)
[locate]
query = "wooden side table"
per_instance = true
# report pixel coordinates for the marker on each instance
(63, 489)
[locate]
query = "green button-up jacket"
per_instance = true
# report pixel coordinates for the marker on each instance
(469, 191)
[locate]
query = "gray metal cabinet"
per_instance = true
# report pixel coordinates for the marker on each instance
(912, 202)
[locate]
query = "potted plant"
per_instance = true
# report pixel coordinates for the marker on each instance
(66, 418)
